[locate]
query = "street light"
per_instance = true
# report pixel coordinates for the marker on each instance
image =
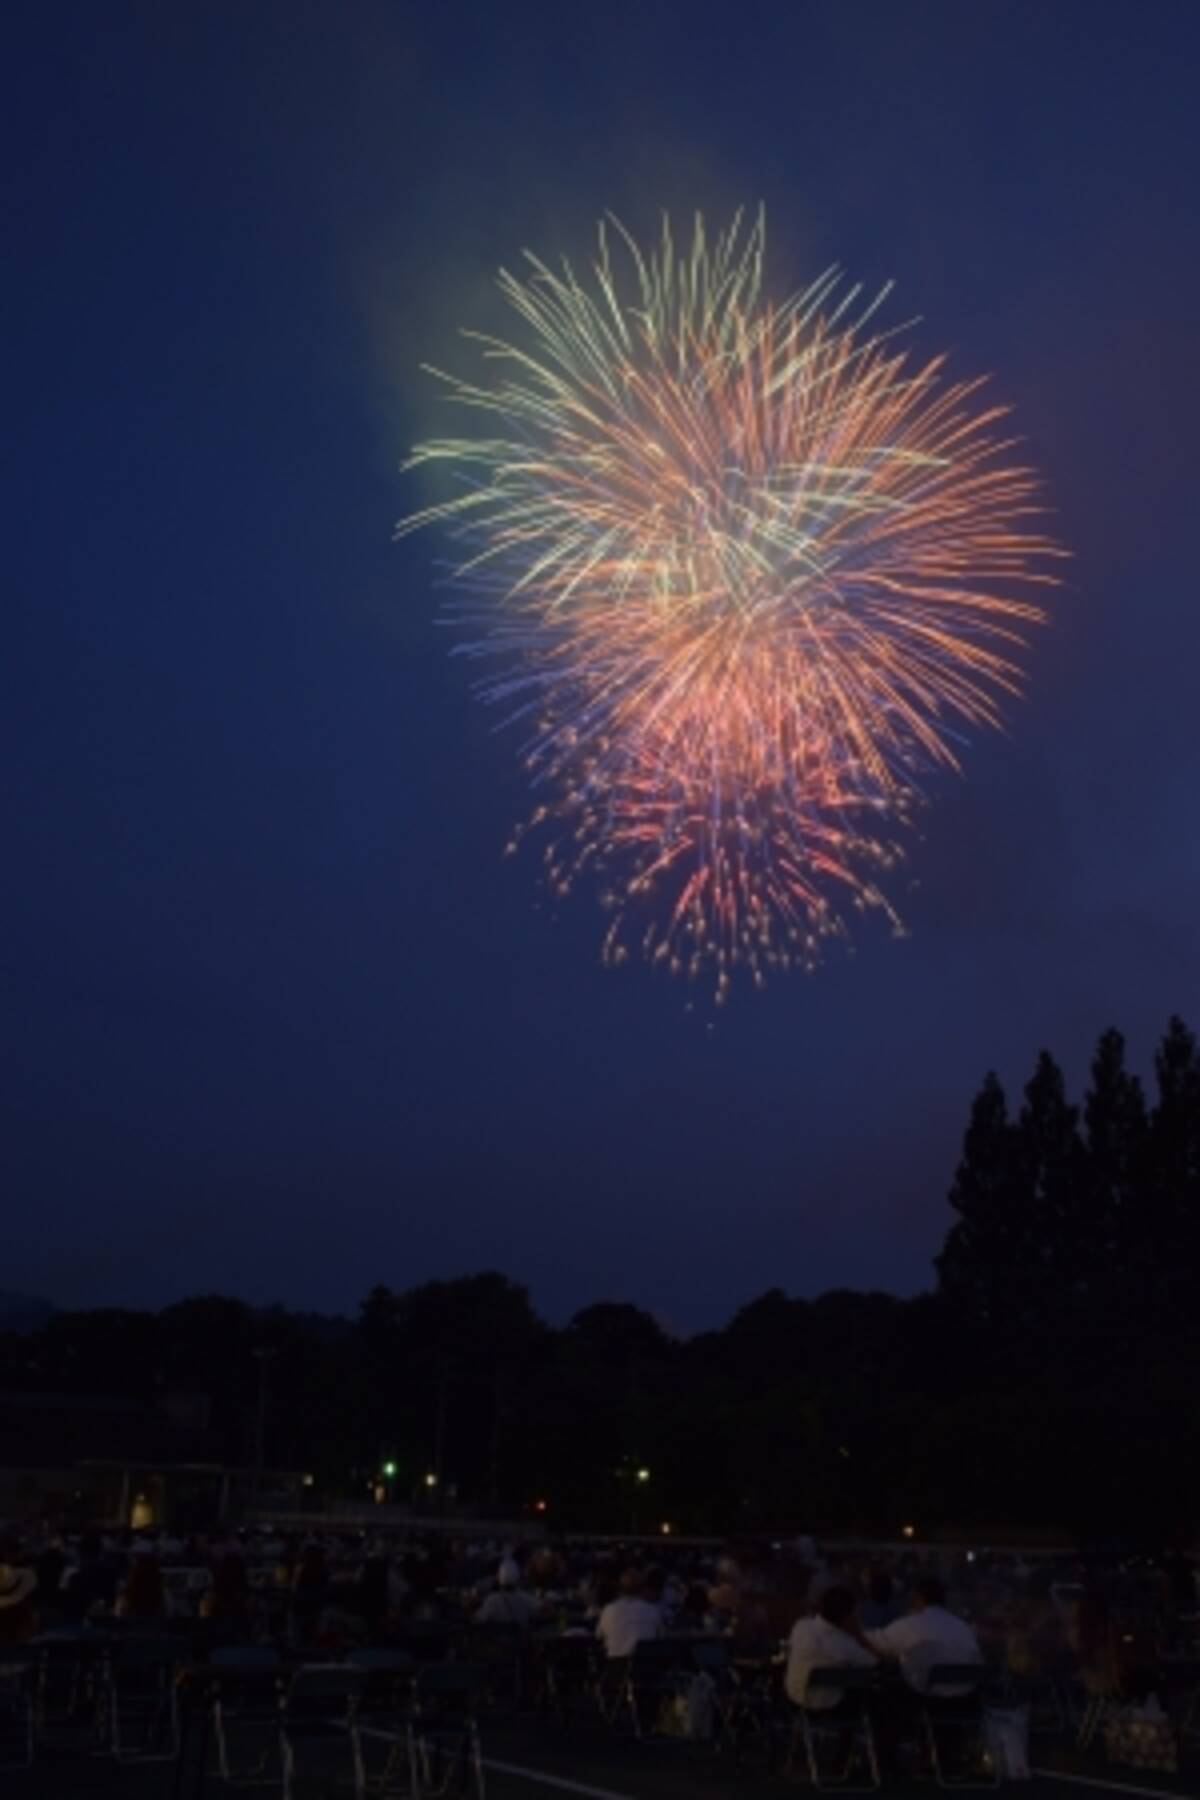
(643, 1474)
(431, 1480)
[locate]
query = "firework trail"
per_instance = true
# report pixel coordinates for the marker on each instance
(746, 573)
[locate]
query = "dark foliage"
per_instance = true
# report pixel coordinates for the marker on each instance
(1050, 1379)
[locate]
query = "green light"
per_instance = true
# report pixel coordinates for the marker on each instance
(389, 1469)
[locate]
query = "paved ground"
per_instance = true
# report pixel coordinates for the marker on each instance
(531, 1760)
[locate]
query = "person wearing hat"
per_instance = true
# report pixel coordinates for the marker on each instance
(18, 1584)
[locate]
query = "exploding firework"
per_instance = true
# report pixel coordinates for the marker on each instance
(747, 574)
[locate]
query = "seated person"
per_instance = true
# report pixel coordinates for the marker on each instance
(227, 1598)
(144, 1595)
(826, 1639)
(18, 1587)
(629, 1619)
(508, 1604)
(92, 1585)
(926, 1636)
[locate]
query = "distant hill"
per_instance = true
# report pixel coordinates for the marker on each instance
(23, 1312)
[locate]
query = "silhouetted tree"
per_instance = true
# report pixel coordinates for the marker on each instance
(1049, 1379)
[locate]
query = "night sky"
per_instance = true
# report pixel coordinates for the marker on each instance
(277, 1018)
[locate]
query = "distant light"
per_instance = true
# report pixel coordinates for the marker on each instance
(389, 1469)
(431, 1480)
(539, 1506)
(909, 1530)
(643, 1474)
(842, 1450)
(970, 1556)
(665, 1528)
(310, 1481)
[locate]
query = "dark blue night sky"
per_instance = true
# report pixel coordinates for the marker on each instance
(278, 1019)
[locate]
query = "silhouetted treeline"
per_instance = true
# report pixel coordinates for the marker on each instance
(1052, 1378)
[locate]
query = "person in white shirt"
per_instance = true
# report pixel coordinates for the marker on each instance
(828, 1639)
(927, 1636)
(508, 1604)
(629, 1619)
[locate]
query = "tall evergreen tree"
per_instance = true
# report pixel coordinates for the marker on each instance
(1050, 1178)
(989, 1236)
(1175, 1146)
(1015, 1255)
(1115, 1141)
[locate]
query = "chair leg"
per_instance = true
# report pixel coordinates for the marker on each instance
(222, 1746)
(939, 1773)
(810, 1751)
(931, 1739)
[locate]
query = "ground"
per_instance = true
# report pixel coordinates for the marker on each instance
(533, 1760)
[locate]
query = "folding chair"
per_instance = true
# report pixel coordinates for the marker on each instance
(426, 1641)
(1097, 1705)
(143, 1698)
(570, 1668)
(384, 1705)
(16, 1707)
(1184, 1678)
(443, 1731)
(69, 1691)
(656, 1672)
(244, 1693)
(319, 1706)
(847, 1725)
(500, 1649)
(946, 1718)
(730, 1700)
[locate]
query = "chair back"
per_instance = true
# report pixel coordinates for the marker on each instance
(968, 1678)
(388, 1677)
(658, 1656)
(854, 1678)
(573, 1651)
(147, 1653)
(449, 1687)
(245, 1659)
(499, 1631)
(319, 1691)
(381, 1661)
(246, 1678)
(431, 1645)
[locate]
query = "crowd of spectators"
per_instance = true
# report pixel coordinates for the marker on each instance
(331, 1591)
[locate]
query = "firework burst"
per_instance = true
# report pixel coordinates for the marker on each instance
(748, 574)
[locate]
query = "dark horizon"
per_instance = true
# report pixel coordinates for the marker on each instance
(280, 1019)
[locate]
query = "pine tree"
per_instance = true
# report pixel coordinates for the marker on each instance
(1167, 1243)
(1115, 1126)
(979, 1248)
(1016, 1254)
(1052, 1185)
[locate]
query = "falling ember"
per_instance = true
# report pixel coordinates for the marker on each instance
(747, 575)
